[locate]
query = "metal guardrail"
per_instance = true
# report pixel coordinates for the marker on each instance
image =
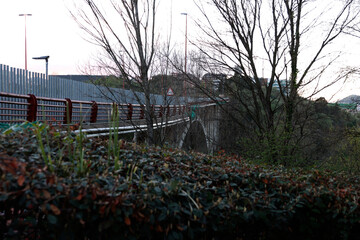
(101, 132)
(16, 108)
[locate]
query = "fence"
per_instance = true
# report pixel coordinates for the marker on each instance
(16, 108)
(19, 81)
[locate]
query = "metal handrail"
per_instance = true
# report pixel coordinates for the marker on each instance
(66, 111)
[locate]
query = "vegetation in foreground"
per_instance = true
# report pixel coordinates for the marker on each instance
(56, 186)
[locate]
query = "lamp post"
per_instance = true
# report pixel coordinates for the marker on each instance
(25, 15)
(46, 58)
(185, 14)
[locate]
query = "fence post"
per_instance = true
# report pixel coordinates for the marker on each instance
(68, 111)
(32, 108)
(130, 111)
(168, 111)
(174, 110)
(161, 111)
(94, 112)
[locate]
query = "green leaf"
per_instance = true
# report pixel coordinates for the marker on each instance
(3, 197)
(52, 219)
(162, 216)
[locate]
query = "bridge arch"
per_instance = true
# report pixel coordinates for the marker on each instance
(195, 137)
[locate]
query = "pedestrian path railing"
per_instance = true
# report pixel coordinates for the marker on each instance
(17, 108)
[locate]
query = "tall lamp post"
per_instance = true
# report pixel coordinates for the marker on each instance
(185, 14)
(46, 58)
(25, 15)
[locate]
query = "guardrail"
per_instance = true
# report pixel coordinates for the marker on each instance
(101, 132)
(16, 108)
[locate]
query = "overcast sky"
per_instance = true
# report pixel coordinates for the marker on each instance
(52, 31)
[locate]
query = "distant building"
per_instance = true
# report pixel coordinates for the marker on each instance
(263, 82)
(178, 82)
(217, 81)
(283, 84)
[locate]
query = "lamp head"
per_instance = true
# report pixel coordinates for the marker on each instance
(43, 57)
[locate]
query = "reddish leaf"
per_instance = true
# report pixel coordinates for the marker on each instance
(127, 221)
(93, 194)
(55, 209)
(21, 180)
(159, 228)
(79, 197)
(10, 164)
(37, 193)
(14, 164)
(140, 215)
(46, 194)
(102, 210)
(50, 180)
(113, 207)
(179, 228)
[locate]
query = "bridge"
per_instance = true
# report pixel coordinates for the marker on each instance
(194, 125)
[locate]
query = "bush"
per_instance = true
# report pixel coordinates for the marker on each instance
(163, 194)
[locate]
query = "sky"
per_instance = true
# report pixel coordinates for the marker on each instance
(52, 31)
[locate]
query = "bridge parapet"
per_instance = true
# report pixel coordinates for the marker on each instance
(192, 124)
(15, 108)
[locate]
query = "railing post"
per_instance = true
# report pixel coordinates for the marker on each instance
(68, 111)
(32, 108)
(94, 112)
(130, 111)
(174, 113)
(161, 111)
(141, 111)
(168, 111)
(152, 114)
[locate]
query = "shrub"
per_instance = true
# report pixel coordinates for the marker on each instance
(164, 194)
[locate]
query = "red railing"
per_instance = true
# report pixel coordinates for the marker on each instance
(15, 108)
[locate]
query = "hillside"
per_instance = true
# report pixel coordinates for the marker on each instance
(350, 99)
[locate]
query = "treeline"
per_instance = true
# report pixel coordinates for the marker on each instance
(327, 136)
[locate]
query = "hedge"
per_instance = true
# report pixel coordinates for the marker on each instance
(162, 193)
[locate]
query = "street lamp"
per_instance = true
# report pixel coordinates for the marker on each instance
(185, 14)
(25, 15)
(46, 58)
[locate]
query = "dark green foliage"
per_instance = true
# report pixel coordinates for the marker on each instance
(165, 194)
(116, 82)
(322, 133)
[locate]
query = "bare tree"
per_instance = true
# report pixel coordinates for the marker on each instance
(290, 39)
(126, 31)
